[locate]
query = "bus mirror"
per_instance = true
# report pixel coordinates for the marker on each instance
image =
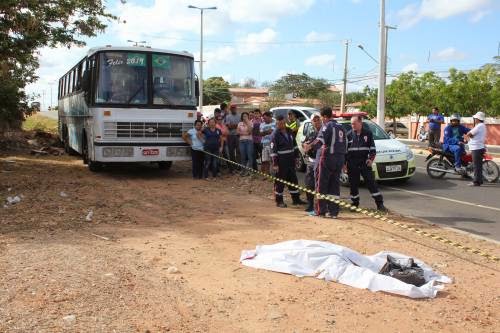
(197, 88)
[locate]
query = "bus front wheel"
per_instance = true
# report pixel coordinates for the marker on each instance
(92, 165)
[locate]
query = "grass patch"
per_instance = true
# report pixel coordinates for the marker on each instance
(38, 122)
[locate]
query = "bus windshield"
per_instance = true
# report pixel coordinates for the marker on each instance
(124, 79)
(172, 80)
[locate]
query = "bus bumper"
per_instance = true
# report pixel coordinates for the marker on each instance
(141, 153)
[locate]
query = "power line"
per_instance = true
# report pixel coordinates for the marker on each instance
(290, 42)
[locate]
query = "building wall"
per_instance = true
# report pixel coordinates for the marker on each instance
(492, 128)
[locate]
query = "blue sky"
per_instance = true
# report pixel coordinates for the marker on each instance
(265, 39)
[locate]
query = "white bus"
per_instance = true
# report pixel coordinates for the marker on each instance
(128, 104)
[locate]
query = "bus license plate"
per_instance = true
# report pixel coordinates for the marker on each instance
(393, 168)
(150, 152)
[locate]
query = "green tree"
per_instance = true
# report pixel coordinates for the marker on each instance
(300, 85)
(215, 91)
(329, 98)
(474, 91)
(355, 96)
(28, 25)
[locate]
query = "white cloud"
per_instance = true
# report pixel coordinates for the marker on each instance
(256, 42)
(322, 60)
(314, 36)
(413, 67)
(441, 9)
(264, 10)
(223, 54)
(478, 16)
(449, 54)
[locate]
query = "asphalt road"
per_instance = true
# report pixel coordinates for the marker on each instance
(449, 201)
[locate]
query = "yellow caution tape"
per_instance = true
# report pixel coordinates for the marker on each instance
(366, 212)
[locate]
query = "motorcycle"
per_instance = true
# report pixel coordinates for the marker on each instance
(423, 135)
(440, 162)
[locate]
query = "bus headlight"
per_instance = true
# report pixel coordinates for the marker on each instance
(177, 151)
(118, 152)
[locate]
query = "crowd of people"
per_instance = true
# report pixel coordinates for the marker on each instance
(253, 137)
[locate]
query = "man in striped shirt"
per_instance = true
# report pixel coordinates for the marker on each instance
(360, 155)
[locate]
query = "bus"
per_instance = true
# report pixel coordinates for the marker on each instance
(128, 104)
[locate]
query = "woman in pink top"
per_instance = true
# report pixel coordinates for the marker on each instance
(244, 130)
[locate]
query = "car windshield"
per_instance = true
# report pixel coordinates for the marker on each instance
(172, 80)
(309, 113)
(122, 78)
(377, 131)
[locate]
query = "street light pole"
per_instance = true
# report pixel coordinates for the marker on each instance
(201, 9)
(382, 68)
(344, 89)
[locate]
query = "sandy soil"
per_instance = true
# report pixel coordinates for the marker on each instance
(115, 273)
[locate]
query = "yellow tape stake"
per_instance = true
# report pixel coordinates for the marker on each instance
(368, 213)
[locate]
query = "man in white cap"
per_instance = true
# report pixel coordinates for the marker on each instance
(476, 137)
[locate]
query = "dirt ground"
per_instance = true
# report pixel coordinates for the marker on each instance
(161, 253)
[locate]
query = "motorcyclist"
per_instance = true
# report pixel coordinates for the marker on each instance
(453, 140)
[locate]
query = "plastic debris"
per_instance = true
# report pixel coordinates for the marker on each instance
(13, 200)
(89, 216)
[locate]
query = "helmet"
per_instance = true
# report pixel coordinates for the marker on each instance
(455, 116)
(479, 115)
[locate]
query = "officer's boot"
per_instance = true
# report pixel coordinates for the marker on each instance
(279, 201)
(355, 202)
(380, 205)
(296, 200)
(310, 202)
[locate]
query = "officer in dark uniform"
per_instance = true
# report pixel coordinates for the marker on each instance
(284, 152)
(333, 147)
(311, 152)
(360, 155)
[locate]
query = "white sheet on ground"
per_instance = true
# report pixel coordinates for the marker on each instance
(338, 263)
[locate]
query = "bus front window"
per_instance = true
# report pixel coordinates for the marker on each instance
(122, 78)
(173, 80)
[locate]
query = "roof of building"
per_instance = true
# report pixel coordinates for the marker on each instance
(249, 90)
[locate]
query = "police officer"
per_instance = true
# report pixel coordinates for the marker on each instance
(293, 123)
(284, 152)
(360, 155)
(311, 152)
(333, 147)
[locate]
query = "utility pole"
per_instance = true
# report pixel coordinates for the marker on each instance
(344, 88)
(51, 83)
(201, 51)
(382, 68)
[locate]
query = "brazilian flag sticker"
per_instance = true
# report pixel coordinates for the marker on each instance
(161, 61)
